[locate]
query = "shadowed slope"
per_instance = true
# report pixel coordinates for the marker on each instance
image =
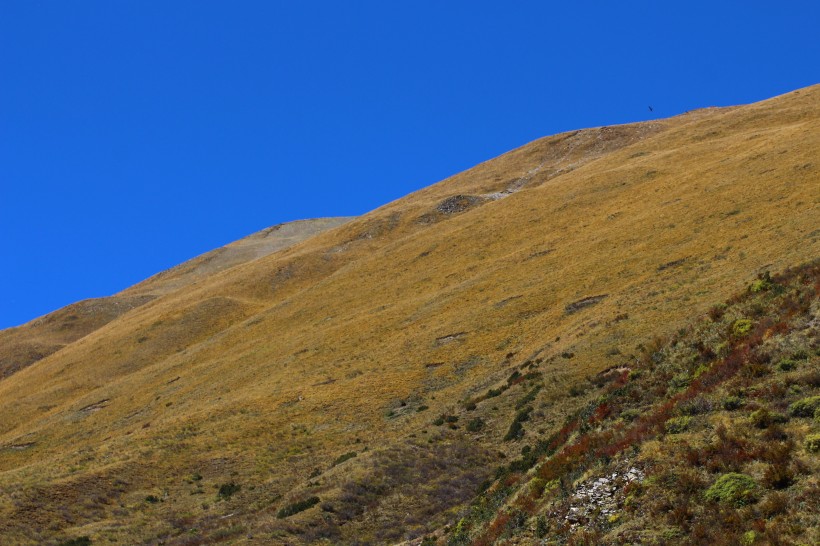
(564, 254)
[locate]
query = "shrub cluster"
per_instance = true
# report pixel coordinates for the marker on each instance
(296, 507)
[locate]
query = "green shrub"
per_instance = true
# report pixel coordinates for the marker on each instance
(676, 425)
(226, 490)
(805, 407)
(475, 424)
(576, 390)
(79, 541)
(152, 499)
(813, 443)
(345, 457)
(492, 393)
(732, 403)
(460, 534)
(763, 283)
(761, 418)
(296, 507)
(733, 489)
(787, 364)
(529, 397)
(516, 431)
(422, 408)
(631, 414)
(741, 327)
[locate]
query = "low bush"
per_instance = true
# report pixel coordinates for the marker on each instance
(492, 393)
(778, 476)
(344, 457)
(812, 443)
(696, 406)
(761, 418)
(741, 327)
(731, 403)
(226, 490)
(805, 407)
(676, 425)
(529, 397)
(516, 431)
(734, 489)
(475, 424)
(296, 507)
(79, 541)
(787, 364)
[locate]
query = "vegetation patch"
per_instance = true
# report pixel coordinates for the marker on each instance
(79, 541)
(296, 507)
(733, 488)
(805, 407)
(344, 457)
(676, 425)
(227, 490)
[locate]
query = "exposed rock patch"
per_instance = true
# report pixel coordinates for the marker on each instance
(596, 500)
(584, 302)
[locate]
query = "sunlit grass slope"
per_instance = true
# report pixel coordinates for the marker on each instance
(28, 343)
(253, 381)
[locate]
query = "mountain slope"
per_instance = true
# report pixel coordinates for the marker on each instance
(711, 437)
(564, 254)
(26, 344)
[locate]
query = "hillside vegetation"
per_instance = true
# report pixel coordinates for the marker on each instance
(362, 385)
(711, 437)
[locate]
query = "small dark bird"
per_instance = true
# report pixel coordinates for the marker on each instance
(650, 109)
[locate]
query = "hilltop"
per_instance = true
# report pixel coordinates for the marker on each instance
(358, 386)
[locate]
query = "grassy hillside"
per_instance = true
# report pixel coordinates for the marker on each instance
(26, 344)
(321, 383)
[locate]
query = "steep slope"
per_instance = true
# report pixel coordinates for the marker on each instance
(246, 395)
(26, 344)
(712, 437)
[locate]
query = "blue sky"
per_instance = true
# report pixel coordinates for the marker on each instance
(137, 134)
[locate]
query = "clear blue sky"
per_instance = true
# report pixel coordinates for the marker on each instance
(137, 134)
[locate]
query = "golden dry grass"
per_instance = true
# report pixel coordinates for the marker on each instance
(30, 342)
(260, 373)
